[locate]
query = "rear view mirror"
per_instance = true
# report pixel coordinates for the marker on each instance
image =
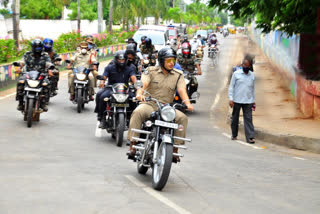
(138, 84)
(58, 59)
(17, 64)
(67, 61)
(100, 77)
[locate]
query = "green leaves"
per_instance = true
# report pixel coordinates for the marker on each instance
(290, 16)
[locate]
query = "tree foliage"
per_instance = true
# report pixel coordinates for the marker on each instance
(290, 16)
(39, 9)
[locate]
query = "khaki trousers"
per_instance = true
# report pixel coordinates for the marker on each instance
(71, 85)
(95, 74)
(143, 112)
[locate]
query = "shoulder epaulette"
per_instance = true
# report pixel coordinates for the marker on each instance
(178, 71)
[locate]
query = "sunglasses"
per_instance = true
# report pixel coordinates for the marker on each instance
(170, 60)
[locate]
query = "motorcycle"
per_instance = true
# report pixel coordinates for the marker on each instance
(154, 148)
(191, 86)
(213, 52)
(117, 113)
(54, 79)
(81, 85)
(225, 33)
(34, 87)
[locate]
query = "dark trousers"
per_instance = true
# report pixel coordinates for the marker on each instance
(247, 118)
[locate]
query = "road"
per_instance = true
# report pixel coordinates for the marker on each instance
(63, 164)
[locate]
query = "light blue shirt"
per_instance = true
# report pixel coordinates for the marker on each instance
(241, 88)
(177, 66)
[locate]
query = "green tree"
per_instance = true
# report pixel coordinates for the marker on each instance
(39, 9)
(88, 10)
(290, 16)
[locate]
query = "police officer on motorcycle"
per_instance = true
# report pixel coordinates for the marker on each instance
(48, 47)
(82, 58)
(148, 48)
(116, 72)
(143, 42)
(161, 82)
(132, 58)
(38, 60)
(188, 61)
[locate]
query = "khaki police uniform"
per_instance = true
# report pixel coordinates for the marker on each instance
(94, 53)
(163, 88)
(80, 59)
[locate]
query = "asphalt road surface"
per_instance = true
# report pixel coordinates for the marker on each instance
(64, 164)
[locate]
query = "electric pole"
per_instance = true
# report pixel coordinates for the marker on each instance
(110, 16)
(78, 17)
(99, 16)
(16, 20)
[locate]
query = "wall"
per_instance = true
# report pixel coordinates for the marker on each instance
(285, 52)
(48, 28)
(9, 77)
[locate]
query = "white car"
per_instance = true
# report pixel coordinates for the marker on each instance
(158, 35)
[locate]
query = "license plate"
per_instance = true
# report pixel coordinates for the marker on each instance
(120, 105)
(32, 89)
(165, 124)
(82, 82)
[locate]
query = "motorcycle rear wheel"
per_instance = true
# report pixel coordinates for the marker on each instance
(161, 169)
(30, 112)
(120, 129)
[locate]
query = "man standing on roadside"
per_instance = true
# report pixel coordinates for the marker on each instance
(242, 95)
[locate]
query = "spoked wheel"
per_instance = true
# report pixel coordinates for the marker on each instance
(30, 112)
(120, 129)
(80, 101)
(162, 167)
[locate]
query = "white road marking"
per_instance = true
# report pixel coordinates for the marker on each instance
(227, 135)
(241, 142)
(157, 195)
(98, 132)
(9, 95)
(299, 158)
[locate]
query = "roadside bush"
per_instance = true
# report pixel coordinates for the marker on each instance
(8, 51)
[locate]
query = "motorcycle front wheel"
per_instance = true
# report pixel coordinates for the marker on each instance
(30, 112)
(120, 129)
(80, 101)
(161, 169)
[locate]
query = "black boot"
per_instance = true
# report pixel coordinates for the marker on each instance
(103, 123)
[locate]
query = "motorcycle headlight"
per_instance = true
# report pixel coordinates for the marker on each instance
(120, 98)
(81, 76)
(146, 61)
(33, 83)
(168, 113)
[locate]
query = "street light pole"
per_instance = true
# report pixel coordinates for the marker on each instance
(16, 20)
(78, 17)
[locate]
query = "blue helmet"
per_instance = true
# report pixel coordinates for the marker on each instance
(48, 44)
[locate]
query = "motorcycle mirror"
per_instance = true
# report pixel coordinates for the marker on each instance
(100, 77)
(67, 61)
(51, 67)
(138, 84)
(58, 59)
(95, 63)
(17, 64)
(97, 50)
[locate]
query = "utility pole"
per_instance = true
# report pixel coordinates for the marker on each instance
(110, 16)
(16, 20)
(99, 16)
(78, 17)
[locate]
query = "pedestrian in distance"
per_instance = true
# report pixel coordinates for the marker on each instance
(242, 96)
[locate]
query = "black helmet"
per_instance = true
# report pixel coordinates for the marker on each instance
(143, 38)
(36, 46)
(184, 38)
(130, 40)
(164, 53)
(119, 55)
(148, 42)
(131, 49)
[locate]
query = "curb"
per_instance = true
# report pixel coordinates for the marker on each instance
(290, 141)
